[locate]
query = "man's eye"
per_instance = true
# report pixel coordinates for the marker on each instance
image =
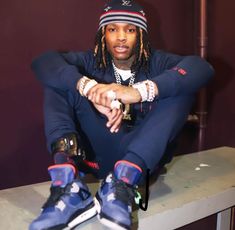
(131, 30)
(111, 29)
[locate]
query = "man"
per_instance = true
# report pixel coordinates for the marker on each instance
(112, 111)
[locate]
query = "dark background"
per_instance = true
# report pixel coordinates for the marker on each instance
(29, 28)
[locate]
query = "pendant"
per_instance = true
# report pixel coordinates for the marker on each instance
(127, 117)
(126, 113)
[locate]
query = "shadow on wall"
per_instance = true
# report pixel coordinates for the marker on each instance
(221, 123)
(24, 158)
(223, 76)
(18, 166)
(154, 25)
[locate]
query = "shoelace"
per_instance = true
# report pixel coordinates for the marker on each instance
(127, 193)
(138, 197)
(55, 194)
(123, 192)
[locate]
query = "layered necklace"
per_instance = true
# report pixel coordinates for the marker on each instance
(127, 114)
(118, 77)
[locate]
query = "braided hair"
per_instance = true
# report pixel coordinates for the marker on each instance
(142, 51)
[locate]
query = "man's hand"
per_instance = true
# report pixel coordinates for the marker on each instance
(114, 117)
(99, 94)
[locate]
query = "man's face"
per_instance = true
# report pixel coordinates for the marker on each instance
(121, 40)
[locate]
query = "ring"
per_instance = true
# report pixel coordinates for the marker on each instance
(116, 104)
(111, 95)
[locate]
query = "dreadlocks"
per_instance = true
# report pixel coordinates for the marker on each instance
(142, 51)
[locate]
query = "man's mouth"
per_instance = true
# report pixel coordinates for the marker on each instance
(121, 48)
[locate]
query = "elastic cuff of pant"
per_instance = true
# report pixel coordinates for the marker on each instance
(135, 159)
(61, 158)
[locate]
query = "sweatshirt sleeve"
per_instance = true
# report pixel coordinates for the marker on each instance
(181, 75)
(59, 70)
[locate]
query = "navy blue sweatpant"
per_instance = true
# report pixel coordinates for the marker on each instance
(155, 127)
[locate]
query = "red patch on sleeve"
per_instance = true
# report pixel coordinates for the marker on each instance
(182, 71)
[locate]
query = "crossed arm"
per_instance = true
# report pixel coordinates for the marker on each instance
(98, 95)
(64, 71)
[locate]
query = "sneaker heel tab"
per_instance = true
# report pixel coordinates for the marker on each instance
(61, 174)
(57, 166)
(128, 163)
(127, 172)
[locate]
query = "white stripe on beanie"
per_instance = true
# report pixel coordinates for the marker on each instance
(123, 11)
(107, 19)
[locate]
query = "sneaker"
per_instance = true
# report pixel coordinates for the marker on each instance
(69, 204)
(115, 197)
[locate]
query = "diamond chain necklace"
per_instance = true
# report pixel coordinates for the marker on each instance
(118, 77)
(127, 114)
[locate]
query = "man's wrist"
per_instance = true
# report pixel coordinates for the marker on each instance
(147, 90)
(141, 88)
(156, 90)
(85, 84)
(81, 84)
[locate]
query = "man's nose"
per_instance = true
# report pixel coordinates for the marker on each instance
(121, 35)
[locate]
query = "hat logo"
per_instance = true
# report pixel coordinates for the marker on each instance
(107, 8)
(142, 12)
(126, 3)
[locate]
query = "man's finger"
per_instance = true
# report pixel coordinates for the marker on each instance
(112, 117)
(116, 124)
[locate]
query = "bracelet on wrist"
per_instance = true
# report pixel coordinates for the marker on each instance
(151, 91)
(85, 84)
(82, 83)
(146, 90)
(141, 87)
(88, 86)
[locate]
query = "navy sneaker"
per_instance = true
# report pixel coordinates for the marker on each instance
(69, 204)
(115, 197)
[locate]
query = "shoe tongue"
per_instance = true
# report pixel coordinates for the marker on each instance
(127, 173)
(61, 175)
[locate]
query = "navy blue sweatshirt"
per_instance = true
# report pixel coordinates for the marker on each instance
(173, 74)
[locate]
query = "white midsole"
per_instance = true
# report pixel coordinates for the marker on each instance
(105, 221)
(110, 224)
(83, 217)
(97, 205)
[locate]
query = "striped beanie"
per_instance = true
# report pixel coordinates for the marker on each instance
(126, 11)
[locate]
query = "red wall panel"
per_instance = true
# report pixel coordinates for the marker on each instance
(29, 28)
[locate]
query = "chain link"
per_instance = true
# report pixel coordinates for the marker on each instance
(118, 77)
